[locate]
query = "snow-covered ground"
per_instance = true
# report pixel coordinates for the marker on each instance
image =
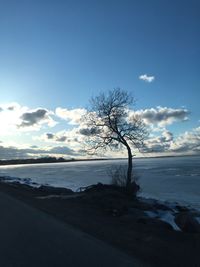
(167, 179)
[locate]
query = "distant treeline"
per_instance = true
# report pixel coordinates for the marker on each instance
(32, 160)
(43, 160)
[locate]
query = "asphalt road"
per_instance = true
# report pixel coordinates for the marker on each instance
(29, 237)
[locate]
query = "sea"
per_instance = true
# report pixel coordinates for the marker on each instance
(169, 179)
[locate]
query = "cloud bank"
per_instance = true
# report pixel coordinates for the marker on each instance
(13, 152)
(186, 143)
(69, 139)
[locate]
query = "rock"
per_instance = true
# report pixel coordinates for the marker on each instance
(187, 222)
(132, 215)
(150, 204)
(99, 187)
(181, 208)
(55, 190)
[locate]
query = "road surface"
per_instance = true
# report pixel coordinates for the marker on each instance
(31, 238)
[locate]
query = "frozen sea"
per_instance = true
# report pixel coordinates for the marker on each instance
(173, 179)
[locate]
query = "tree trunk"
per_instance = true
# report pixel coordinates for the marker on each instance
(129, 170)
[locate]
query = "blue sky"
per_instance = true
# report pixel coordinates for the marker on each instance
(60, 53)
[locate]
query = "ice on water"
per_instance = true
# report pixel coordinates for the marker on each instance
(175, 179)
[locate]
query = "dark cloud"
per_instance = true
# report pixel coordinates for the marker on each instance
(1, 109)
(14, 153)
(61, 139)
(33, 117)
(11, 108)
(89, 131)
(50, 136)
(54, 137)
(163, 115)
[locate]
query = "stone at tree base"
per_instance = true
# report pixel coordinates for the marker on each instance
(155, 223)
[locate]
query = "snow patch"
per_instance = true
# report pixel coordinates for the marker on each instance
(165, 216)
(27, 181)
(198, 219)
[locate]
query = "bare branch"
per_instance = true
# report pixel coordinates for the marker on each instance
(109, 115)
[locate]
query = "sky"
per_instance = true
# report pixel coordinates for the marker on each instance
(56, 54)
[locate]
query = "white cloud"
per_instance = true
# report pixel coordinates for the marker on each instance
(72, 115)
(168, 136)
(15, 119)
(147, 78)
(158, 144)
(9, 119)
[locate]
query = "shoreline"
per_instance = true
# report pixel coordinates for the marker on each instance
(112, 217)
(146, 197)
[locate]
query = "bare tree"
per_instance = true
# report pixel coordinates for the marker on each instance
(109, 124)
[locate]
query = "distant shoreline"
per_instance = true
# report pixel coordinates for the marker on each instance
(42, 160)
(62, 160)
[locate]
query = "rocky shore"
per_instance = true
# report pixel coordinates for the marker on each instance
(160, 234)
